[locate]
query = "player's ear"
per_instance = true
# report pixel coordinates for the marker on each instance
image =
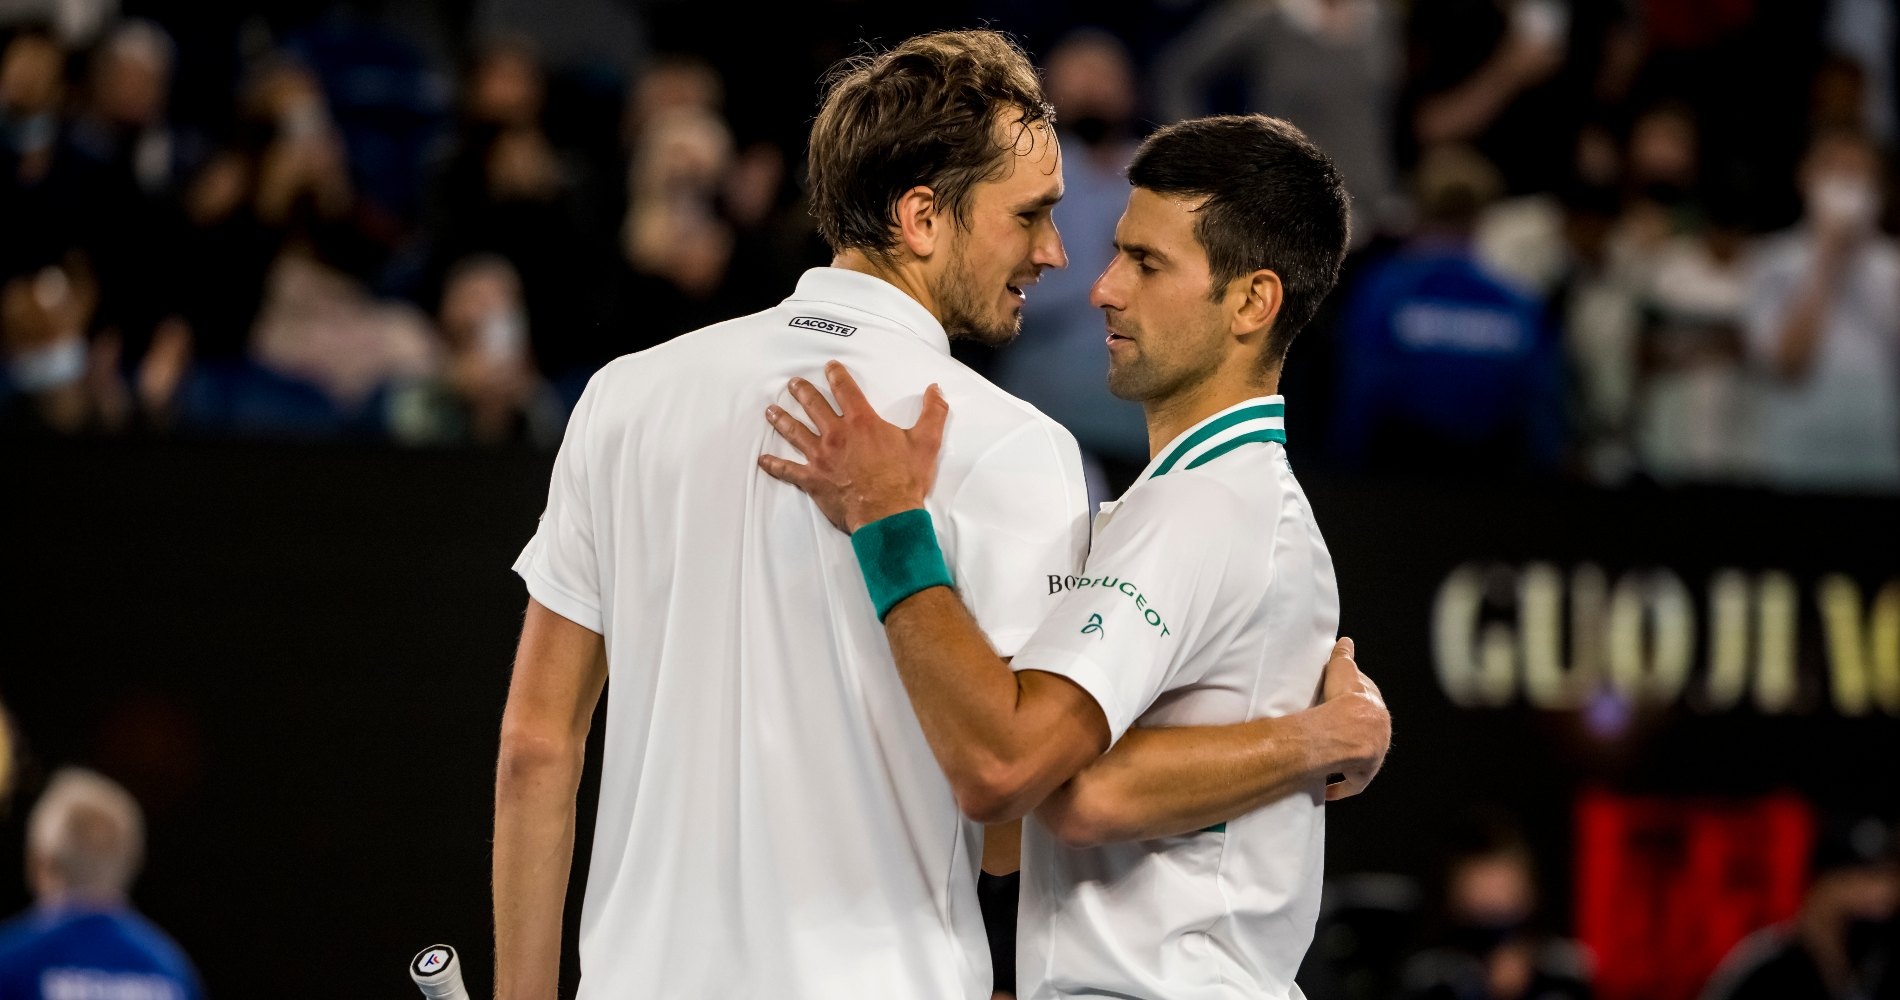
(1255, 300)
(919, 224)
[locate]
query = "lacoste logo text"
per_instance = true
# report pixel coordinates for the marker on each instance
(822, 325)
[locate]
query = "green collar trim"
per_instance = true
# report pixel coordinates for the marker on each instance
(1254, 422)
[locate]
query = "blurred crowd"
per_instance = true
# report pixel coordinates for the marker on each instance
(1610, 240)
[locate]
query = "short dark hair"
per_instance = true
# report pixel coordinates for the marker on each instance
(1272, 201)
(924, 113)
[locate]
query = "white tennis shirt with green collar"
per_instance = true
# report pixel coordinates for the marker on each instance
(772, 822)
(1208, 598)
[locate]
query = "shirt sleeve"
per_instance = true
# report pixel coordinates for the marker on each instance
(560, 563)
(1021, 523)
(1175, 563)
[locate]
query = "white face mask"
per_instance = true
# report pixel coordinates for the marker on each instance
(1844, 200)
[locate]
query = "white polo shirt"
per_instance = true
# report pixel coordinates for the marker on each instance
(1208, 598)
(772, 821)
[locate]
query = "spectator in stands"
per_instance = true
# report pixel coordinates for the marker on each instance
(1865, 35)
(53, 379)
(672, 83)
(686, 257)
(1823, 322)
(85, 842)
(1332, 67)
(1494, 948)
(284, 335)
(1696, 399)
(37, 200)
(1446, 365)
(1060, 364)
(124, 125)
(1842, 943)
(131, 163)
(281, 187)
(488, 391)
(32, 87)
(1661, 182)
(388, 101)
(1597, 303)
(505, 189)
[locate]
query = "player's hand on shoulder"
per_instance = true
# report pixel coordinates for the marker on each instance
(1361, 720)
(858, 467)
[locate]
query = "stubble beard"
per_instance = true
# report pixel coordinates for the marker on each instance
(1144, 378)
(961, 302)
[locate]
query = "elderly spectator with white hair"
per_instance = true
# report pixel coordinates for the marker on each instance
(85, 841)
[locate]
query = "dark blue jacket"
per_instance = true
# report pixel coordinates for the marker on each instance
(53, 952)
(1445, 364)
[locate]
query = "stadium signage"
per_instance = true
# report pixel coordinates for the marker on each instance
(1560, 641)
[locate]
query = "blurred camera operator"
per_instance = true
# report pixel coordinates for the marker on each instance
(1494, 948)
(1842, 943)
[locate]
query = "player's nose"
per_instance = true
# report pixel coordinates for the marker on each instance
(1049, 251)
(1105, 294)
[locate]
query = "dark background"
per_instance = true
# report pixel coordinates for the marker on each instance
(296, 657)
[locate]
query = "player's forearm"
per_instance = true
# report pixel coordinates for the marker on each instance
(534, 848)
(1162, 782)
(972, 708)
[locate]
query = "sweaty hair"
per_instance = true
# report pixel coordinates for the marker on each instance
(1270, 201)
(90, 831)
(924, 113)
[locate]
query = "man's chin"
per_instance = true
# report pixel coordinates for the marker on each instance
(1128, 385)
(991, 335)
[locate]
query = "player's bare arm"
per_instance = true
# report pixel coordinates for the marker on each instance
(1007, 739)
(1162, 782)
(560, 669)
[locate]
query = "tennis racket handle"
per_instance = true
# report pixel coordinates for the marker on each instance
(437, 971)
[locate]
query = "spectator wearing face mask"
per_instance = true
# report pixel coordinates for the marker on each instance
(32, 85)
(505, 189)
(1061, 367)
(1823, 321)
(487, 391)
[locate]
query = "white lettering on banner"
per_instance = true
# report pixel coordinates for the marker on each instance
(1866, 662)
(1428, 326)
(1637, 638)
(92, 984)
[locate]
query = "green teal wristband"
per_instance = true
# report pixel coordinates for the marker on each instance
(899, 557)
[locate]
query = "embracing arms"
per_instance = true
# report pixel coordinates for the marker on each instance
(1007, 740)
